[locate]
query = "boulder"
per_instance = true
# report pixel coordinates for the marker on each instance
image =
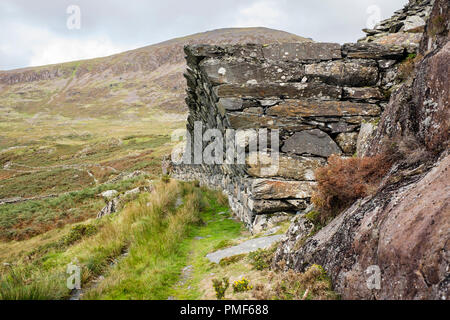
(109, 194)
(402, 231)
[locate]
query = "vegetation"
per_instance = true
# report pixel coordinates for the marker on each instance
(312, 284)
(27, 219)
(242, 285)
(406, 68)
(261, 259)
(221, 286)
(344, 180)
(438, 25)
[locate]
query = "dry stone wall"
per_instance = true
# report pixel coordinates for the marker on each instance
(316, 94)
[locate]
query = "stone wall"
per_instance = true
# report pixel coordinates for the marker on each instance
(404, 28)
(316, 94)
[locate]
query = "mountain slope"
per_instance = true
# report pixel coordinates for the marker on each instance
(129, 85)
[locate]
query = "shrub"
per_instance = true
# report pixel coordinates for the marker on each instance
(314, 283)
(165, 178)
(261, 259)
(77, 232)
(221, 286)
(233, 259)
(314, 218)
(224, 244)
(438, 25)
(406, 68)
(242, 285)
(345, 180)
(222, 199)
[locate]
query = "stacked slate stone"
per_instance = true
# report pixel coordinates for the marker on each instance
(316, 94)
(404, 28)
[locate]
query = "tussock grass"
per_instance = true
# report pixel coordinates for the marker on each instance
(27, 219)
(151, 229)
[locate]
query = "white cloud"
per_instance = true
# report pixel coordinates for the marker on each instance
(41, 47)
(260, 13)
(56, 50)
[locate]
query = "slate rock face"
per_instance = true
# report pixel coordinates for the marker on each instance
(313, 142)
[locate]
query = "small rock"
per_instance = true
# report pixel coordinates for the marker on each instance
(109, 194)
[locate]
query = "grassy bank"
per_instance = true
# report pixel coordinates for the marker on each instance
(151, 228)
(154, 248)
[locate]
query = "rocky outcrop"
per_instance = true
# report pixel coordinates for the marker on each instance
(402, 233)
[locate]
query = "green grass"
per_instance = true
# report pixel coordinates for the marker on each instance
(152, 269)
(218, 232)
(26, 219)
(159, 239)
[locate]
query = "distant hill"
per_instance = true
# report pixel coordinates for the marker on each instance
(128, 85)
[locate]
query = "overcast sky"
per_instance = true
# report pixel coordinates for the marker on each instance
(36, 32)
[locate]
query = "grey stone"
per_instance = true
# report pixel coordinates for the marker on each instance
(281, 189)
(290, 167)
(372, 51)
(229, 104)
(261, 206)
(366, 93)
(314, 142)
(277, 90)
(302, 51)
(346, 73)
(309, 108)
(241, 120)
(109, 194)
(366, 133)
(245, 247)
(414, 24)
(347, 142)
(264, 222)
(236, 71)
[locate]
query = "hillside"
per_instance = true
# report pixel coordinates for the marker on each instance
(75, 126)
(126, 86)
